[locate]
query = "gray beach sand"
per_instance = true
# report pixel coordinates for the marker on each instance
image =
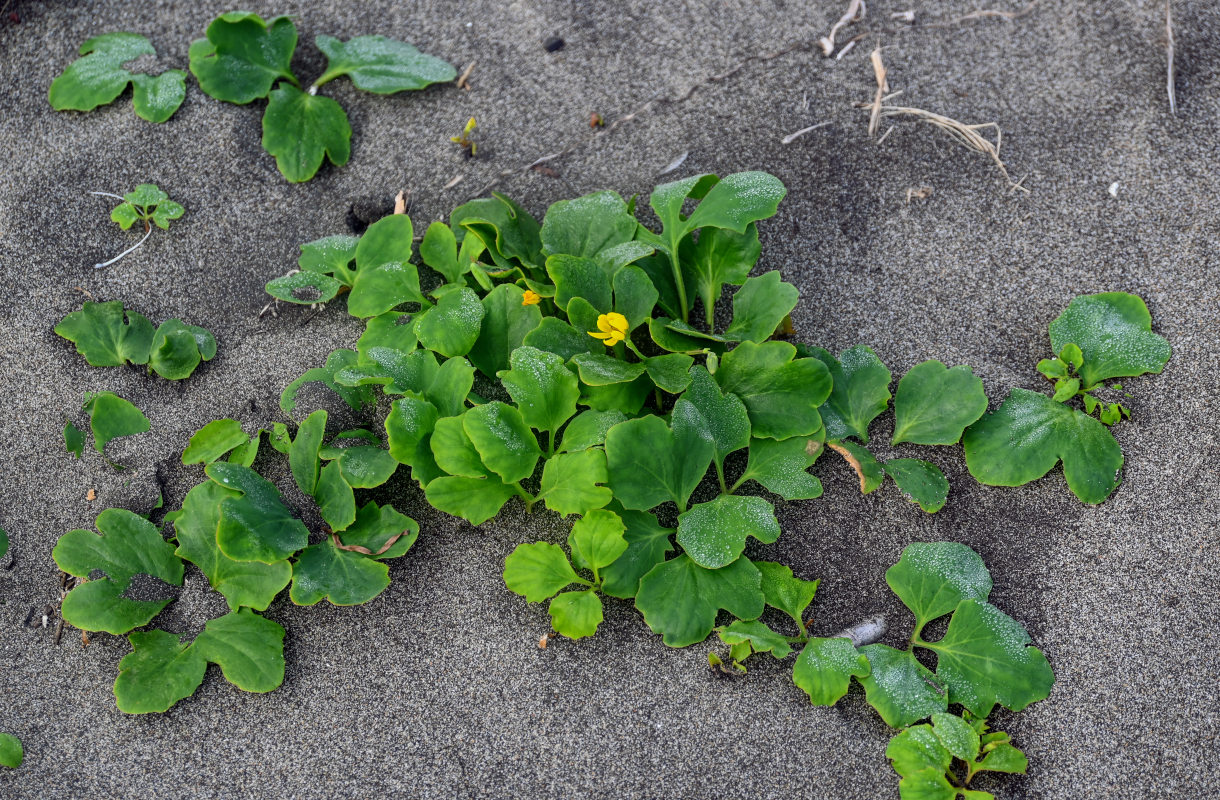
(437, 688)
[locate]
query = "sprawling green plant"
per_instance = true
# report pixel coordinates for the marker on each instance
(108, 336)
(557, 364)
(242, 58)
(147, 204)
(98, 78)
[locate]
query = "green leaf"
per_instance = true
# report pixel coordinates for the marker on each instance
(335, 498)
(1114, 333)
(300, 128)
(125, 215)
(158, 672)
(723, 416)
(330, 255)
(628, 397)
(304, 288)
(243, 56)
(454, 451)
(859, 392)
(439, 250)
(956, 736)
(111, 417)
(650, 463)
(453, 326)
(586, 226)
(576, 614)
(916, 749)
(74, 439)
(129, 545)
(634, 295)
(243, 583)
(984, 659)
(380, 65)
(306, 446)
(1066, 389)
(932, 579)
(538, 571)
(604, 370)
(248, 648)
(102, 337)
(177, 348)
(255, 526)
(1026, 436)
(647, 545)
(738, 200)
(1052, 368)
(363, 466)
(720, 256)
(920, 482)
(783, 591)
(670, 372)
(588, 429)
(506, 229)
(935, 404)
(385, 278)
(1004, 758)
(167, 210)
(543, 388)
(574, 276)
(475, 500)
(503, 329)
(760, 638)
(375, 526)
(409, 428)
(680, 599)
(355, 396)
(714, 533)
(393, 330)
(901, 689)
(156, 97)
(866, 465)
(760, 306)
(825, 667)
(782, 467)
(931, 784)
(596, 540)
(1071, 354)
(781, 395)
(571, 483)
(342, 577)
(553, 335)
(504, 442)
(99, 78)
(11, 752)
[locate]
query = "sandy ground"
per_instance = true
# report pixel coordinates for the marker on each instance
(437, 689)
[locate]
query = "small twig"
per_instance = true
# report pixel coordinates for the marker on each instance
(855, 12)
(846, 49)
(792, 137)
(464, 81)
(134, 247)
(355, 548)
(400, 202)
(110, 194)
(1007, 16)
(455, 181)
(885, 135)
(1169, 77)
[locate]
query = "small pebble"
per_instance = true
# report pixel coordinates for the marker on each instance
(553, 45)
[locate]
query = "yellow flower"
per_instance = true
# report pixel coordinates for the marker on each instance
(530, 298)
(611, 328)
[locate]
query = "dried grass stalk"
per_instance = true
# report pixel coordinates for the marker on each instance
(1173, 100)
(855, 12)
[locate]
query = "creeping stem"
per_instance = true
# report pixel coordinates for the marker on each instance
(678, 282)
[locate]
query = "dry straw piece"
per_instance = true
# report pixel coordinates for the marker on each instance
(966, 135)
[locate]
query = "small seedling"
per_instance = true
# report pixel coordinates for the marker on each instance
(465, 139)
(147, 204)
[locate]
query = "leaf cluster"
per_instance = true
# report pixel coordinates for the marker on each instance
(108, 336)
(99, 77)
(243, 58)
(924, 755)
(1097, 338)
(237, 530)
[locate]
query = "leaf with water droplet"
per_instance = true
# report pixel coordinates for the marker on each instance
(1030, 433)
(98, 78)
(921, 482)
(934, 404)
(380, 65)
(825, 668)
(714, 533)
(760, 638)
(899, 687)
(1114, 333)
(931, 579)
(650, 463)
(860, 390)
(647, 545)
(255, 526)
(680, 599)
(781, 394)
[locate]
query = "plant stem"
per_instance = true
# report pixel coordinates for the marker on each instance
(720, 477)
(526, 496)
(147, 233)
(678, 282)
